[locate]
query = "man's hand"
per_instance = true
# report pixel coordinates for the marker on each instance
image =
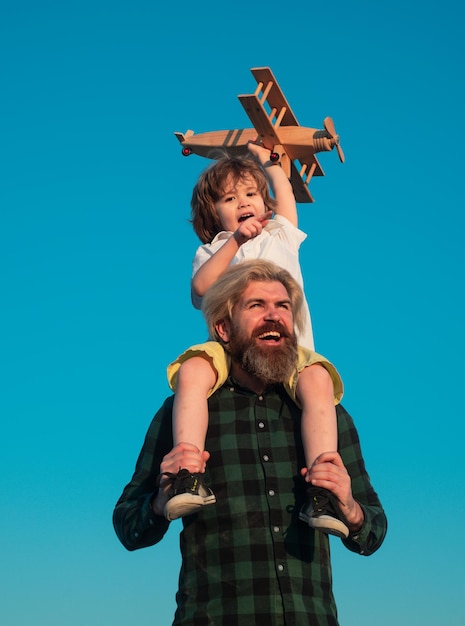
(252, 227)
(184, 455)
(329, 472)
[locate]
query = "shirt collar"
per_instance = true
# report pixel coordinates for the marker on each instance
(232, 384)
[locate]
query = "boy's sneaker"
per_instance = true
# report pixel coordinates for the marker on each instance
(187, 494)
(322, 512)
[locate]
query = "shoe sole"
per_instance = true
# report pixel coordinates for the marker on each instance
(186, 504)
(326, 524)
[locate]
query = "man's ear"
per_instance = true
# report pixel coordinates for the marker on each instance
(223, 328)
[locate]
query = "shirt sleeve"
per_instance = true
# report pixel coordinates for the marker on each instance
(371, 535)
(305, 359)
(133, 519)
(290, 234)
(211, 351)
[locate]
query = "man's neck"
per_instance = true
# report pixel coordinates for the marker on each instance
(247, 380)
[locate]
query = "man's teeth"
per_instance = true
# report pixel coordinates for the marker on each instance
(270, 335)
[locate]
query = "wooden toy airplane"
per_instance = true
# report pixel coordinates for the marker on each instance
(276, 127)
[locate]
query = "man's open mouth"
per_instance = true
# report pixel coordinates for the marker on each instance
(271, 335)
(245, 217)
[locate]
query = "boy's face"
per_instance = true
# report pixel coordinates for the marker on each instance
(240, 201)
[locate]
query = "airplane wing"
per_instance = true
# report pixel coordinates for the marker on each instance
(267, 125)
(272, 94)
(300, 180)
(260, 120)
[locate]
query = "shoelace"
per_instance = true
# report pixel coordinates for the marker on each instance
(175, 479)
(320, 500)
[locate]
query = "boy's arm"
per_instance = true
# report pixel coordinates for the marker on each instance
(212, 269)
(279, 183)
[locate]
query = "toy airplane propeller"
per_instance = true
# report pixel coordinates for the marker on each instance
(276, 127)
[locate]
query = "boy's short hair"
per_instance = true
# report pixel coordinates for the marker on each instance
(220, 300)
(210, 188)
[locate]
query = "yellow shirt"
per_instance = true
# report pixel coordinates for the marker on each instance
(220, 361)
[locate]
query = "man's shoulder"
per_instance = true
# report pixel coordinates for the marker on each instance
(164, 413)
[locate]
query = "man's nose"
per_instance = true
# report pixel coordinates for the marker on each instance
(272, 314)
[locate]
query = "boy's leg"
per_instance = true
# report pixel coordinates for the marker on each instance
(195, 379)
(315, 393)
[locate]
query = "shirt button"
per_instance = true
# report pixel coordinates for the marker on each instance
(260, 398)
(280, 567)
(261, 425)
(276, 529)
(271, 492)
(266, 457)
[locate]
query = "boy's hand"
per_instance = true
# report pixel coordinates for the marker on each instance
(261, 153)
(252, 227)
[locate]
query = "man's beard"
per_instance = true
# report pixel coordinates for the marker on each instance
(270, 365)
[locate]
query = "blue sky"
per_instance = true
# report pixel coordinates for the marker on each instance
(96, 250)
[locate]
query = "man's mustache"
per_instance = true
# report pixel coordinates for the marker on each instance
(273, 327)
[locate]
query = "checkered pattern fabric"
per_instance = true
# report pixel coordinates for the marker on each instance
(248, 559)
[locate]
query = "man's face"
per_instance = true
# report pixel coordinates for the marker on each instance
(261, 334)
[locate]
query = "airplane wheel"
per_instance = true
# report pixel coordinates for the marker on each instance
(186, 151)
(274, 157)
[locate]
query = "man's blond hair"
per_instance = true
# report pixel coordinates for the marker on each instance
(219, 301)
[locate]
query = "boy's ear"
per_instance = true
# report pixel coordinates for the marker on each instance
(223, 328)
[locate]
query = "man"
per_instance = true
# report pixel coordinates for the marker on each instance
(249, 559)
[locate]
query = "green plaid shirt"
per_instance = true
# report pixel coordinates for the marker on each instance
(248, 559)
